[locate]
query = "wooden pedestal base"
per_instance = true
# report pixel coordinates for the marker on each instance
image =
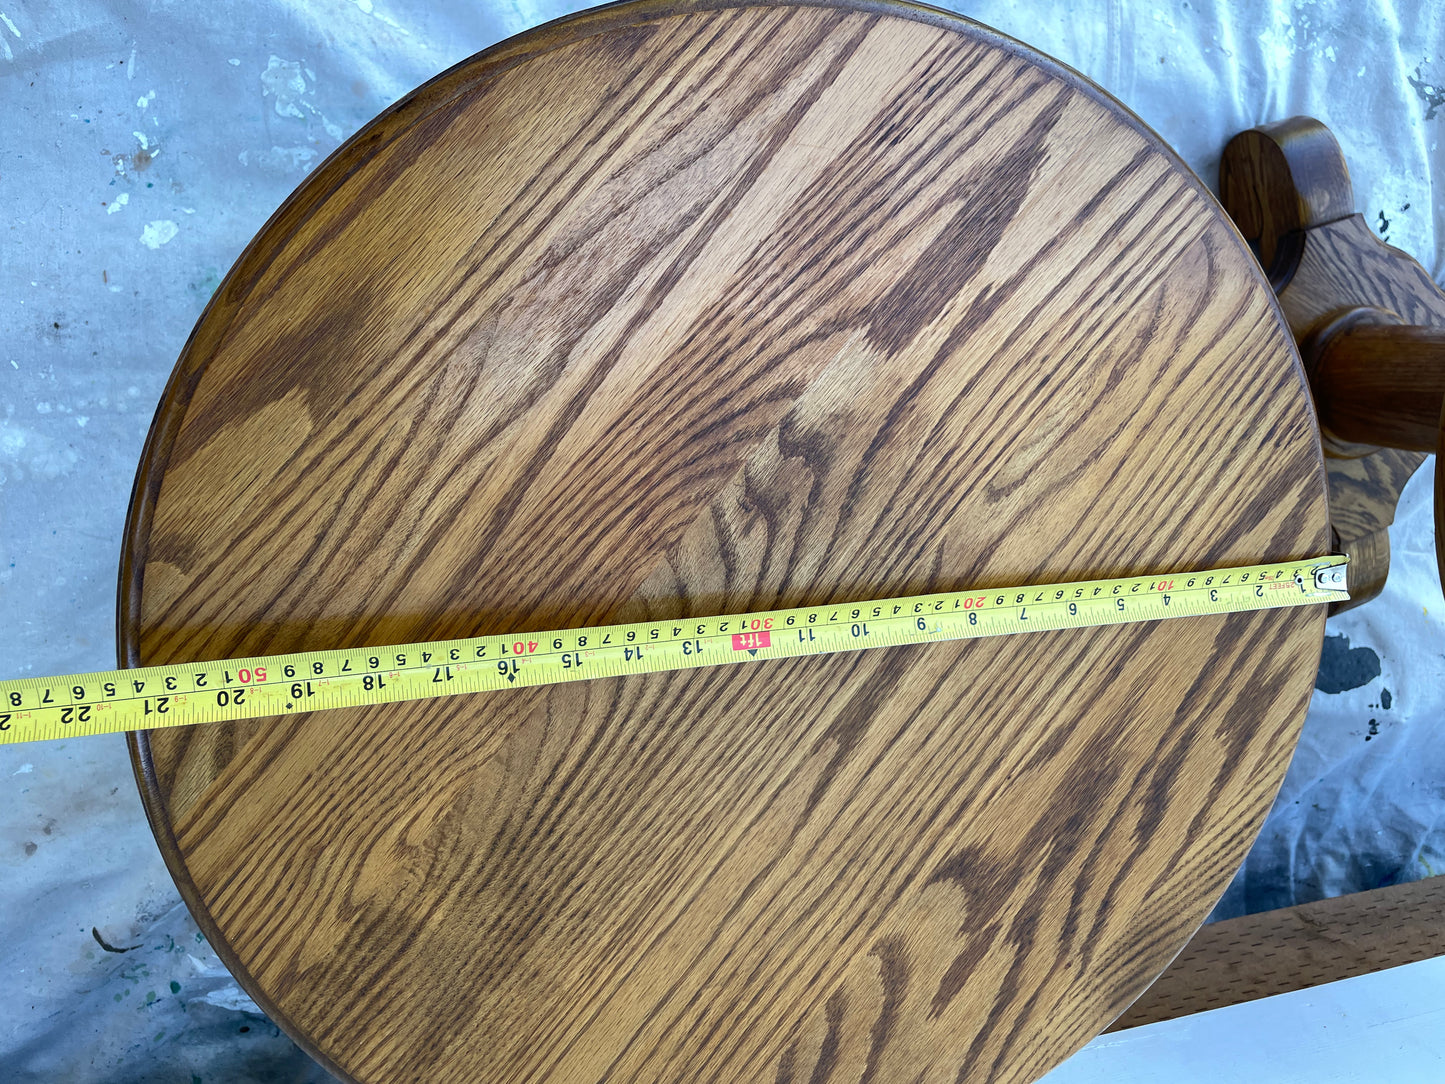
(1369, 320)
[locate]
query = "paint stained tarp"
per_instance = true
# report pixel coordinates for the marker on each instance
(144, 143)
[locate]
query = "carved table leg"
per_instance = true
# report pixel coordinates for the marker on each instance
(1370, 323)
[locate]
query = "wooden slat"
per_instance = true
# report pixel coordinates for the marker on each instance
(1274, 952)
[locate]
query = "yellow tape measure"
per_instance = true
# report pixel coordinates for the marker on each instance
(113, 701)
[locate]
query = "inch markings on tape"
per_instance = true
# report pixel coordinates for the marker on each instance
(114, 701)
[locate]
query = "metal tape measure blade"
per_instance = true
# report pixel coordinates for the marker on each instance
(114, 701)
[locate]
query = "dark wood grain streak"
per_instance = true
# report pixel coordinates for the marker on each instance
(666, 311)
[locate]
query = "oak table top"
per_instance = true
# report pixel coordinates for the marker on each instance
(674, 310)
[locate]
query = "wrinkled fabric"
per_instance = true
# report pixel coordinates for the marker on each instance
(144, 144)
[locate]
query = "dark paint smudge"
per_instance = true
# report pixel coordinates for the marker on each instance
(1432, 96)
(101, 941)
(1386, 699)
(1344, 667)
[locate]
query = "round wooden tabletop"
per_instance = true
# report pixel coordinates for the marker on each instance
(670, 310)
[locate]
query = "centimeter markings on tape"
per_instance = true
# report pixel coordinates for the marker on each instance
(112, 701)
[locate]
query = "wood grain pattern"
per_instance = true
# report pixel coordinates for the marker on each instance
(1294, 948)
(672, 310)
